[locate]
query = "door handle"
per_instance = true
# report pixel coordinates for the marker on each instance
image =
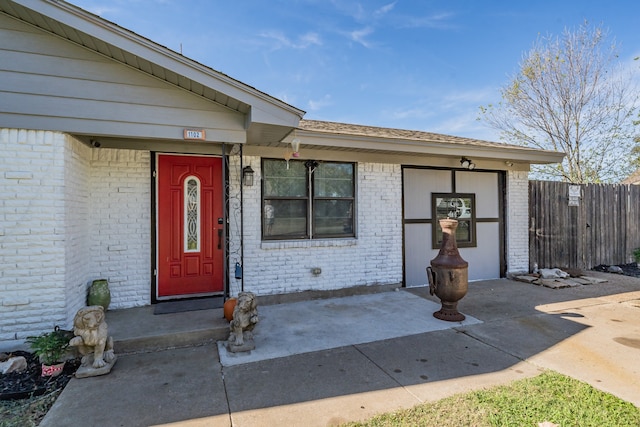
(219, 238)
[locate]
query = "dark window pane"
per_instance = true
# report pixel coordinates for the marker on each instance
(288, 193)
(285, 218)
(334, 180)
(333, 218)
(463, 232)
(282, 182)
(455, 206)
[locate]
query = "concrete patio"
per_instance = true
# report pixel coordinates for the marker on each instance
(591, 333)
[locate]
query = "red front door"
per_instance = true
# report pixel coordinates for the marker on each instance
(190, 226)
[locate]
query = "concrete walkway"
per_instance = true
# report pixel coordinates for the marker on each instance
(516, 330)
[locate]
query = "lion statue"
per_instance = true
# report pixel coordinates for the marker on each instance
(245, 317)
(91, 337)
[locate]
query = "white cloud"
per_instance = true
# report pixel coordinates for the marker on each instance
(311, 39)
(384, 9)
(289, 99)
(315, 105)
(358, 36)
(461, 99)
(355, 11)
(439, 20)
(466, 124)
(282, 41)
(412, 113)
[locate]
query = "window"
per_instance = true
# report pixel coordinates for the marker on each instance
(192, 215)
(455, 206)
(307, 199)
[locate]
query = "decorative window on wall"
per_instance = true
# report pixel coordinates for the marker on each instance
(192, 214)
(459, 206)
(307, 199)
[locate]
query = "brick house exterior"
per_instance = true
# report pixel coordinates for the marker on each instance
(79, 188)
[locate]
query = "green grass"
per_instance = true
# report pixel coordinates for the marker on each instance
(548, 397)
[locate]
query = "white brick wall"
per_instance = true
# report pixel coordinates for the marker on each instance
(120, 224)
(517, 205)
(68, 214)
(374, 257)
(77, 193)
(32, 240)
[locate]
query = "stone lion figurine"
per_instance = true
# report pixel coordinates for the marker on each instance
(91, 337)
(245, 317)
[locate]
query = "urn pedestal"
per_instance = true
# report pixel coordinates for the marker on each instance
(448, 274)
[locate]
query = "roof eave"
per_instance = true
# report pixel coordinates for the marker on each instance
(424, 147)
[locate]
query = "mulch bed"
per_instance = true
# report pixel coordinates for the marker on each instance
(631, 269)
(22, 385)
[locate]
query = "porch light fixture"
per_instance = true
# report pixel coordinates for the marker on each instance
(295, 147)
(247, 176)
(467, 164)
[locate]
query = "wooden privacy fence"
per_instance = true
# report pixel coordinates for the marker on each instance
(581, 226)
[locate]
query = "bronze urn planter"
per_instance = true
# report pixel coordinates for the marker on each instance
(448, 274)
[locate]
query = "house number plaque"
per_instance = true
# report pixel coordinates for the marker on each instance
(194, 134)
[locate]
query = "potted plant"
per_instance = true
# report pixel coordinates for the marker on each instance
(51, 348)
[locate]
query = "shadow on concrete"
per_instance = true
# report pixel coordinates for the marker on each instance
(511, 331)
(520, 322)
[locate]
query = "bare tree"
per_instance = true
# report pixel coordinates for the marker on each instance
(571, 95)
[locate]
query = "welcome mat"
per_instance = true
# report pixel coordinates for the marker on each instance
(188, 305)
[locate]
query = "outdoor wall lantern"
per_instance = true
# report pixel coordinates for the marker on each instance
(247, 176)
(467, 164)
(295, 146)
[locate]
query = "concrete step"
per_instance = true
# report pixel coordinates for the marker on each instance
(137, 330)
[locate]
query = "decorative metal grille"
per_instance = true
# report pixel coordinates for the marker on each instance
(192, 209)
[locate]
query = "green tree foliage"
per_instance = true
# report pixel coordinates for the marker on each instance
(572, 94)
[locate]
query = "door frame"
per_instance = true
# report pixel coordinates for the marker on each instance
(501, 220)
(154, 228)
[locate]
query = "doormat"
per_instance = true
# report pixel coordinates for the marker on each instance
(188, 305)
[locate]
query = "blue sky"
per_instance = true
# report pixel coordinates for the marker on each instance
(411, 64)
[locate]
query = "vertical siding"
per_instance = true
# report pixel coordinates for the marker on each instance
(603, 229)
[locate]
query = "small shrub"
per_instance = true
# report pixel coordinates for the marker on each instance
(636, 254)
(51, 347)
